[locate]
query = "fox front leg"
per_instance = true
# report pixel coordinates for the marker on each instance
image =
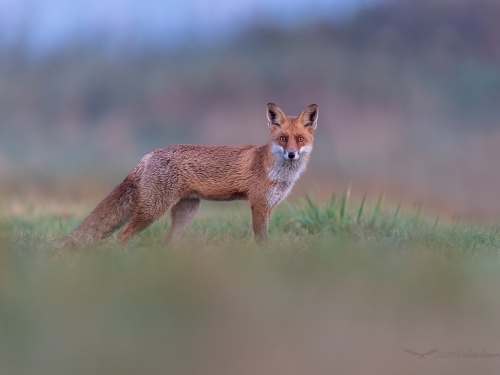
(260, 221)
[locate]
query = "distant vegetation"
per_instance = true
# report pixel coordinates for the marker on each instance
(408, 93)
(424, 60)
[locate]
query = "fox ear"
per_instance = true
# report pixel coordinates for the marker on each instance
(309, 117)
(275, 116)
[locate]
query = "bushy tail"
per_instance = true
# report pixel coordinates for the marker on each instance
(112, 213)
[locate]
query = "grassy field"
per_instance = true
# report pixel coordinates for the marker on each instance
(340, 287)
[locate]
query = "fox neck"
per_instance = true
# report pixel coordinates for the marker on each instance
(283, 173)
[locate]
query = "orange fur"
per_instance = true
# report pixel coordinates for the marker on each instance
(177, 177)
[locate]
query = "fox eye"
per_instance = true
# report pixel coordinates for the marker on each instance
(283, 138)
(300, 138)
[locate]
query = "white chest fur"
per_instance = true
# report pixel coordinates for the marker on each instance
(284, 173)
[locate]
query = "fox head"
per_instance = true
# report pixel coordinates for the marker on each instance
(292, 137)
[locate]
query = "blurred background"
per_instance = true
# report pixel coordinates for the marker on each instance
(408, 91)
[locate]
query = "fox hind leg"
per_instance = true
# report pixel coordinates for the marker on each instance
(182, 214)
(143, 217)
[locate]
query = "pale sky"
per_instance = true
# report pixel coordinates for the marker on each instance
(45, 24)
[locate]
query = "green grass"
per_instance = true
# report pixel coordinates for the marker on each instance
(340, 287)
(34, 230)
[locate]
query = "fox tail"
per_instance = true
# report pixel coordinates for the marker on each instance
(112, 213)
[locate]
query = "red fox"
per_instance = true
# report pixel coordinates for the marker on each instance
(176, 178)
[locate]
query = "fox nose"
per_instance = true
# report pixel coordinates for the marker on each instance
(291, 155)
